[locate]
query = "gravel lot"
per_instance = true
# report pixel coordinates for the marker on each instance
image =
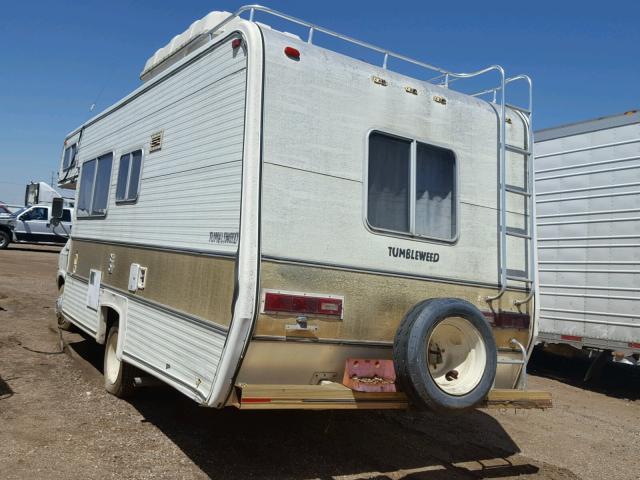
(56, 421)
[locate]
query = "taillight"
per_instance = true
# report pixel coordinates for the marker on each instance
(294, 303)
(236, 42)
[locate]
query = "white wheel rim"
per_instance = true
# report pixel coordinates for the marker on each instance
(112, 365)
(456, 356)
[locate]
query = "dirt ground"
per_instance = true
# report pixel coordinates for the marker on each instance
(57, 422)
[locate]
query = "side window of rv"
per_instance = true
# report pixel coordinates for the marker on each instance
(69, 159)
(411, 188)
(95, 179)
(129, 176)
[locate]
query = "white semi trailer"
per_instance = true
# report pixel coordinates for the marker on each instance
(588, 222)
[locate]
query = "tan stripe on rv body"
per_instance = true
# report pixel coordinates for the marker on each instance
(198, 285)
(374, 304)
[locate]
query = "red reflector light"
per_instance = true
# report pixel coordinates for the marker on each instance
(302, 304)
(256, 400)
(513, 320)
(236, 42)
(508, 319)
(292, 52)
(571, 338)
(634, 345)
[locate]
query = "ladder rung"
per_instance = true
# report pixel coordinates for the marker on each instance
(508, 361)
(517, 273)
(513, 148)
(519, 279)
(517, 190)
(526, 111)
(516, 232)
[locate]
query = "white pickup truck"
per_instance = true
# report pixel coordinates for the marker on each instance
(33, 225)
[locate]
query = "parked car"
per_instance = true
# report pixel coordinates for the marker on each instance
(33, 225)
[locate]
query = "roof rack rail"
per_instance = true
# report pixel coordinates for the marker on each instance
(447, 76)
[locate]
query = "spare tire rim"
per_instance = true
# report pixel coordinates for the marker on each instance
(456, 356)
(112, 365)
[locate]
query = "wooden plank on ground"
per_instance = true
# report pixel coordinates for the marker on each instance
(315, 397)
(499, 398)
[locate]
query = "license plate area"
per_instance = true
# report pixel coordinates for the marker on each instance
(369, 375)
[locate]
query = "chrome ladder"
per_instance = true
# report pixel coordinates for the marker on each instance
(526, 234)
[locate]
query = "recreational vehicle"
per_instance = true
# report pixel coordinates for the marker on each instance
(588, 225)
(267, 223)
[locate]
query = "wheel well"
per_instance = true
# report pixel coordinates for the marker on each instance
(5, 229)
(111, 318)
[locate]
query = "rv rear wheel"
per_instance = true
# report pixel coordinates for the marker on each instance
(118, 375)
(445, 355)
(63, 323)
(5, 239)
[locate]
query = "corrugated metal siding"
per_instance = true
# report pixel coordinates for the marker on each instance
(588, 220)
(185, 350)
(192, 185)
(75, 304)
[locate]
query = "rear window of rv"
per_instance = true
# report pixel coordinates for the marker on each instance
(129, 176)
(411, 188)
(69, 159)
(94, 187)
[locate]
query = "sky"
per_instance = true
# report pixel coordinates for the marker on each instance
(60, 57)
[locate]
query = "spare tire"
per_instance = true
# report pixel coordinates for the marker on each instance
(445, 355)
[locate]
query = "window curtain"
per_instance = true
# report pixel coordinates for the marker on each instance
(435, 183)
(388, 198)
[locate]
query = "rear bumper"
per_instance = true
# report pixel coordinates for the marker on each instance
(304, 362)
(335, 396)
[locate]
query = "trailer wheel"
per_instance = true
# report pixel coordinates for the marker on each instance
(445, 355)
(118, 375)
(5, 239)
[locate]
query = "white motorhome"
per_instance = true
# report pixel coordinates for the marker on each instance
(266, 223)
(588, 225)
